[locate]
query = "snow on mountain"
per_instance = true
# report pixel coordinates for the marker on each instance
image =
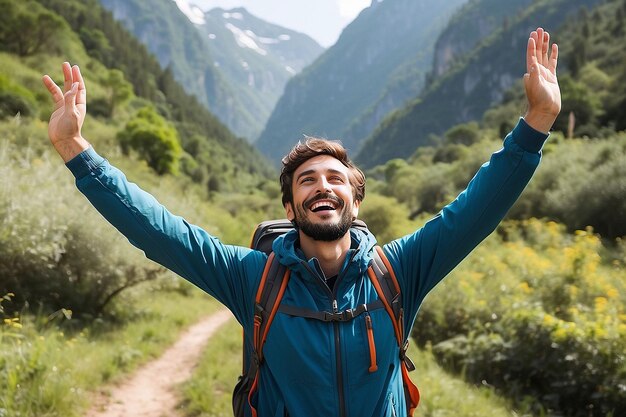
(245, 39)
(193, 12)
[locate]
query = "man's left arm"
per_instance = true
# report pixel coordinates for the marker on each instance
(425, 257)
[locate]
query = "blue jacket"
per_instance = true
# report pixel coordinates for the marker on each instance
(316, 368)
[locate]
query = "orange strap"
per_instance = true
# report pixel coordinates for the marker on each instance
(259, 339)
(370, 340)
(410, 388)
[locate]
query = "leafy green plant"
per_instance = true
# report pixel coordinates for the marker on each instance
(535, 312)
(154, 139)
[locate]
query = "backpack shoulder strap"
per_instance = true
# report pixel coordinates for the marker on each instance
(386, 284)
(269, 294)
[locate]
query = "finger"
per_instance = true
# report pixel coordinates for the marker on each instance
(530, 52)
(539, 44)
(545, 48)
(67, 76)
(82, 91)
(554, 57)
(53, 88)
(70, 99)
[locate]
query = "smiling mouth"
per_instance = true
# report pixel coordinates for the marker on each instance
(323, 205)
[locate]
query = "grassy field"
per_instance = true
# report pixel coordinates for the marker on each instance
(46, 372)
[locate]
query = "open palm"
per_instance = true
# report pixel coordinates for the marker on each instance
(540, 81)
(70, 106)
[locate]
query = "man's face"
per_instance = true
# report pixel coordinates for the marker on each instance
(323, 203)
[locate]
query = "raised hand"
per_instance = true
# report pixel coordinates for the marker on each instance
(540, 81)
(70, 107)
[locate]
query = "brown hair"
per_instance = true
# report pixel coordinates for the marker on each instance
(311, 148)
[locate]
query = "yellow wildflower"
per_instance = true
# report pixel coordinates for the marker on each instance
(524, 287)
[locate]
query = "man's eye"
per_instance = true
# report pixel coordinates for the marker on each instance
(307, 179)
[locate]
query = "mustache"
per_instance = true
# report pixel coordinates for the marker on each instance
(324, 196)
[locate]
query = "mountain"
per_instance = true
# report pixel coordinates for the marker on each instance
(234, 63)
(378, 63)
(256, 59)
(473, 22)
(470, 82)
(212, 152)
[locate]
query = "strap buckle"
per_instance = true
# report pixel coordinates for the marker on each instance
(410, 366)
(345, 315)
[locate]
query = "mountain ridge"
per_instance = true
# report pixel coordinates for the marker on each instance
(474, 83)
(238, 81)
(347, 80)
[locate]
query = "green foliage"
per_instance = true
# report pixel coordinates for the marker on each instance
(118, 89)
(26, 28)
(435, 175)
(464, 134)
(385, 217)
(532, 288)
(53, 253)
(106, 40)
(154, 139)
(15, 99)
(50, 371)
(466, 90)
(596, 197)
(578, 100)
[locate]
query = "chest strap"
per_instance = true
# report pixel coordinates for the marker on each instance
(345, 315)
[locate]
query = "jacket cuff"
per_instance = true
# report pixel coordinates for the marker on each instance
(84, 163)
(527, 138)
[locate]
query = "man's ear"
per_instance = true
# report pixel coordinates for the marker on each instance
(355, 209)
(289, 212)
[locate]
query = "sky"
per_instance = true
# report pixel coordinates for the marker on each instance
(323, 20)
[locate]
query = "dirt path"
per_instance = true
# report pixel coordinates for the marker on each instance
(149, 392)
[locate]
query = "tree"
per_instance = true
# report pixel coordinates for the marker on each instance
(576, 98)
(27, 28)
(464, 134)
(118, 89)
(154, 139)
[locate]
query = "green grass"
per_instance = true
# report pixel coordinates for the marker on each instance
(208, 393)
(48, 373)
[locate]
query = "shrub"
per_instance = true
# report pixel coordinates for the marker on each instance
(15, 99)
(154, 139)
(463, 134)
(55, 252)
(536, 312)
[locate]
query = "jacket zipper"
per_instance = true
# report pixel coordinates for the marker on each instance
(342, 400)
(333, 295)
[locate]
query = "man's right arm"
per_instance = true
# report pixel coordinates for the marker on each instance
(229, 273)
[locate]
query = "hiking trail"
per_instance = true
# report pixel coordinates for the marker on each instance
(150, 391)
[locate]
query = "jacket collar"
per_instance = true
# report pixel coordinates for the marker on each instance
(286, 248)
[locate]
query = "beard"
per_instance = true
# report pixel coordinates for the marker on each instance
(324, 232)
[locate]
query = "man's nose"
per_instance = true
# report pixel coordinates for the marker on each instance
(324, 185)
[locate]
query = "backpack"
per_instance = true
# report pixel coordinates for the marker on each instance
(267, 303)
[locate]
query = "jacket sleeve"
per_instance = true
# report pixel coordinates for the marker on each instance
(422, 259)
(229, 273)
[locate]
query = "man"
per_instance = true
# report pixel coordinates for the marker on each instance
(311, 367)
